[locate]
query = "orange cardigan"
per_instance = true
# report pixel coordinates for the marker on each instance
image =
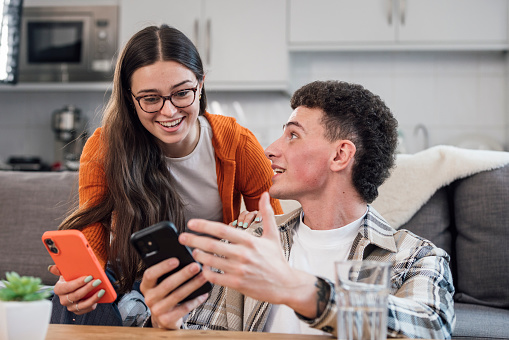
(241, 166)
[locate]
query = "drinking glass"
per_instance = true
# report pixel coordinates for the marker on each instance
(362, 288)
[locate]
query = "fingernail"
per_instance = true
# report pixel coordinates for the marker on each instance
(88, 278)
(96, 283)
(241, 224)
(49, 267)
(258, 219)
(245, 226)
(195, 269)
(101, 293)
(173, 262)
(234, 223)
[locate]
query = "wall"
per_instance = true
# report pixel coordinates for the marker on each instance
(453, 94)
(25, 120)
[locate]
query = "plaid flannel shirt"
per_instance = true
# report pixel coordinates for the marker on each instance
(421, 300)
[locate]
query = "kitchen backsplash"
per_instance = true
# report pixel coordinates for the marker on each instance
(453, 95)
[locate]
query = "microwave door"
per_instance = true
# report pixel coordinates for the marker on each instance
(53, 48)
(55, 42)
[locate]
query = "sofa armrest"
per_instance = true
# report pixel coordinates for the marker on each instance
(30, 204)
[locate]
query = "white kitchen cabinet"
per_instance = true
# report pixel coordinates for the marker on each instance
(398, 24)
(242, 42)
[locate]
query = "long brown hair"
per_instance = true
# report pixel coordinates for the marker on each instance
(140, 189)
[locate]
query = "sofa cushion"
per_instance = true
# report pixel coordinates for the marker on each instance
(480, 322)
(30, 204)
(482, 218)
(433, 220)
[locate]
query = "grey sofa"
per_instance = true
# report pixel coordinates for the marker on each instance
(468, 218)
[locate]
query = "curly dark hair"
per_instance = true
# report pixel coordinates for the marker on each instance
(354, 113)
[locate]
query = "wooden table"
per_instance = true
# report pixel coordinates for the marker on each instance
(78, 332)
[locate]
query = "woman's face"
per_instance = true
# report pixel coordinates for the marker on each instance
(176, 128)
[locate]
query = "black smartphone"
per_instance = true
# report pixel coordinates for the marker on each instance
(160, 242)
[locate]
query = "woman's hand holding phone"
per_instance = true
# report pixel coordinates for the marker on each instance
(165, 308)
(83, 282)
(72, 294)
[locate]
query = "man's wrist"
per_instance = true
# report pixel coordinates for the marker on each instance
(322, 291)
(322, 295)
(309, 298)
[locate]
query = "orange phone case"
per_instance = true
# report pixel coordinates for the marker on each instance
(74, 258)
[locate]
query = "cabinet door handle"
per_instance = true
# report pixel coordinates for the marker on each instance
(402, 10)
(390, 4)
(208, 41)
(196, 33)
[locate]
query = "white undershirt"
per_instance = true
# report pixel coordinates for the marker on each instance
(313, 251)
(196, 178)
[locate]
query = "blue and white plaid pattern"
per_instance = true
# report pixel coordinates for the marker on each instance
(421, 300)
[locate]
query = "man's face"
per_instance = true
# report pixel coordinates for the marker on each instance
(301, 157)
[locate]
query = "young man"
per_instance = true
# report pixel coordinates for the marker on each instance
(337, 148)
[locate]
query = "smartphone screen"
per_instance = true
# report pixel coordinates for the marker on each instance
(160, 242)
(74, 258)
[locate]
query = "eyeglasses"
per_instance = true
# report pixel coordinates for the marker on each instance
(153, 102)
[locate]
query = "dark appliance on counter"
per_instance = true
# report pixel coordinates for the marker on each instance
(26, 163)
(70, 134)
(68, 43)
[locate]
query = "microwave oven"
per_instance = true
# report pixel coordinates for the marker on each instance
(68, 43)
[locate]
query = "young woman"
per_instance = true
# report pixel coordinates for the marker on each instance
(158, 156)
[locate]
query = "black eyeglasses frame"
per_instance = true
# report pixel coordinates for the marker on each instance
(165, 98)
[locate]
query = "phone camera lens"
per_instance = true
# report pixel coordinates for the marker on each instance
(51, 245)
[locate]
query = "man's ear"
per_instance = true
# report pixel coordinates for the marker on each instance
(345, 151)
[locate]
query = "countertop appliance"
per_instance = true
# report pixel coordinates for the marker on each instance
(68, 43)
(25, 163)
(70, 134)
(66, 123)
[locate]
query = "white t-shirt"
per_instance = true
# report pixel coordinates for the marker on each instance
(196, 178)
(313, 251)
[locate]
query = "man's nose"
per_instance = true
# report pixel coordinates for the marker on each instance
(272, 150)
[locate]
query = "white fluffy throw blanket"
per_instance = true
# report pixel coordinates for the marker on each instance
(417, 177)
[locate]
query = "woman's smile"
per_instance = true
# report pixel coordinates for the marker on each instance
(172, 124)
